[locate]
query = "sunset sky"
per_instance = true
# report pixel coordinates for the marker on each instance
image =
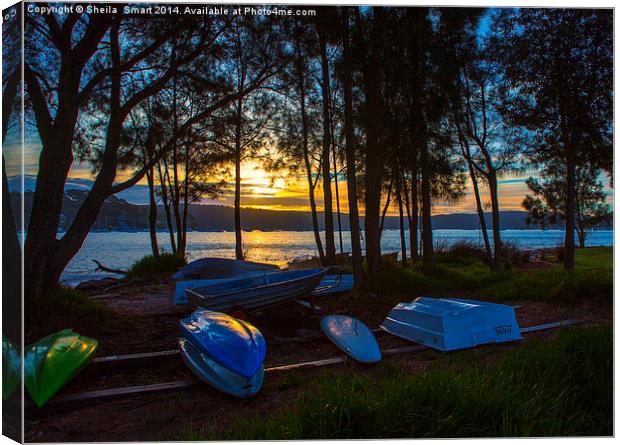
(260, 190)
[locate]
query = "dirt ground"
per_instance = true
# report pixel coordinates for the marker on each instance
(145, 319)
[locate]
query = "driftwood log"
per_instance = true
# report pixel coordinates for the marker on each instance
(103, 268)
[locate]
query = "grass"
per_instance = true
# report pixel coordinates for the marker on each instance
(150, 265)
(72, 302)
(562, 387)
(464, 272)
(595, 258)
(65, 307)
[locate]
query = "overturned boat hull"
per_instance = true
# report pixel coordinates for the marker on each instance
(218, 376)
(220, 268)
(352, 337)
(53, 361)
(234, 344)
(451, 324)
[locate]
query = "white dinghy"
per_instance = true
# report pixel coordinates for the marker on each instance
(447, 324)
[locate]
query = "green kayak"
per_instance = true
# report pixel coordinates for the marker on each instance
(11, 367)
(53, 361)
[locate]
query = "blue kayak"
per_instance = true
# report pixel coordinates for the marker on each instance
(234, 344)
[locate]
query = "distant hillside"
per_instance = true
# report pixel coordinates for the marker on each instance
(119, 215)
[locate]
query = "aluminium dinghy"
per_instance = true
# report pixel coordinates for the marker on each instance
(219, 268)
(334, 284)
(448, 324)
(224, 352)
(254, 291)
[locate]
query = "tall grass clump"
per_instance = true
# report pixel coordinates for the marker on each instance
(513, 255)
(562, 387)
(462, 252)
(69, 303)
(150, 265)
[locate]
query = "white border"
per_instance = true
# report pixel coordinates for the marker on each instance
(459, 3)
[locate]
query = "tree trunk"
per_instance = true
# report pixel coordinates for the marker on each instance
(479, 209)
(581, 234)
(306, 153)
(569, 236)
(186, 182)
(238, 241)
(163, 175)
(354, 223)
(56, 133)
(175, 187)
(570, 191)
(374, 167)
(152, 212)
(410, 216)
(11, 247)
(403, 242)
(388, 199)
(417, 48)
(497, 242)
(413, 226)
(330, 245)
(337, 201)
(428, 254)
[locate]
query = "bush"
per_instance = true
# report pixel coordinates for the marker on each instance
(512, 255)
(464, 250)
(149, 266)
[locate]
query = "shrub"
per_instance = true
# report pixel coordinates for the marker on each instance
(512, 255)
(466, 250)
(149, 266)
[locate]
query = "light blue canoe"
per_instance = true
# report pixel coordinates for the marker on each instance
(234, 344)
(352, 336)
(334, 284)
(255, 291)
(448, 324)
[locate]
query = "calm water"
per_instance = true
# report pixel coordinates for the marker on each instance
(120, 249)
